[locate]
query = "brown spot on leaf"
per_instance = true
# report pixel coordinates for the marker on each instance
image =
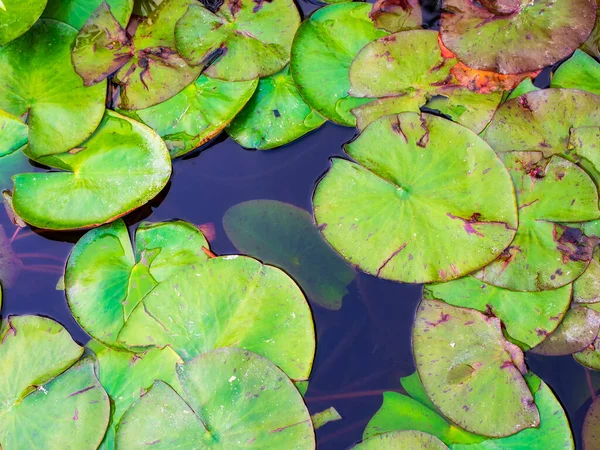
(573, 244)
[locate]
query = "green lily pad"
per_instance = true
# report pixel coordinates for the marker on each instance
(400, 440)
(77, 12)
(459, 353)
(51, 409)
(455, 220)
(89, 189)
(241, 40)
(10, 264)
(285, 236)
(233, 399)
(39, 85)
(580, 71)
(586, 288)
(529, 317)
(14, 134)
(322, 418)
(512, 36)
(323, 50)
(260, 308)
(16, 17)
(197, 114)
(105, 280)
(546, 254)
(397, 15)
(591, 427)
(11, 164)
(590, 356)
(275, 115)
(525, 87)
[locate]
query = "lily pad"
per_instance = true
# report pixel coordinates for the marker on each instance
(525, 87)
(529, 317)
(285, 236)
(397, 15)
(11, 164)
(39, 85)
(580, 71)
(233, 399)
(322, 418)
(591, 427)
(323, 50)
(241, 40)
(16, 17)
(275, 115)
(545, 253)
(197, 114)
(90, 188)
(586, 288)
(77, 12)
(105, 280)
(13, 134)
(592, 45)
(459, 353)
(401, 439)
(590, 356)
(37, 400)
(454, 221)
(512, 36)
(10, 264)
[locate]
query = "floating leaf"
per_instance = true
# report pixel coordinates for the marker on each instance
(105, 280)
(454, 220)
(459, 354)
(39, 85)
(397, 15)
(525, 87)
(234, 399)
(275, 115)
(285, 236)
(323, 50)
(77, 12)
(580, 71)
(13, 134)
(12, 163)
(592, 45)
(197, 114)
(512, 36)
(586, 288)
(591, 427)
(90, 189)
(400, 440)
(10, 264)
(590, 356)
(322, 418)
(529, 317)
(546, 254)
(16, 17)
(240, 40)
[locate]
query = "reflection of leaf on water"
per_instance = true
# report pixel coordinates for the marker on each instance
(283, 235)
(10, 264)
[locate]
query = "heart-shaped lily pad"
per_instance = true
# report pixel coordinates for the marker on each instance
(41, 406)
(105, 280)
(197, 114)
(580, 71)
(241, 39)
(591, 427)
(275, 115)
(512, 36)
(454, 220)
(459, 353)
(39, 85)
(529, 317)
(323, 50)
(401, 439)
(16, 17)
(77, 12)
(234, 399)
(546, 254)
(397, 15)
(90, 189)
(283, 235)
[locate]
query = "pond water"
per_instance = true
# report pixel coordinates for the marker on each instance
(362, 349)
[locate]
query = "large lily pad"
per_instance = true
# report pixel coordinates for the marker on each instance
(591, 427)
(529, 317)
(197, 114)
(454, 220)
(105, 280)
(513, 36)
(323, 50)
(233, 399)
(285, 236)
(400, 440)
(275, 115)
(90, 189)
(16, 17)
(459, 354)
(42, 407)
(580, 71)
(77, 12)
(39, 85)
(545, 253)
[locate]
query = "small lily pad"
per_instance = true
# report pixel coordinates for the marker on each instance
(234, 399)
(89, 190)
(397, 15)
(591, 427)
(453, 221)
(322, 418)
(275, 115)
(77, 12)
(241, 40)
(16, 17)
(322, 52)
(580, 71)
(459, 354)
(400, 440)
(10, 264)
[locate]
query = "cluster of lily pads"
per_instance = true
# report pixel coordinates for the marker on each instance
(465, 177)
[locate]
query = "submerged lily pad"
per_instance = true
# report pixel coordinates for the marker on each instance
(529, 317)
(580, 71)
(39, 85)
(77, 12)
(16, 17)
(90, 188)
(459, 353)
(38, 399)
(545, 253)
(10, 264)
(513, 36)
(323, 50)
(241, 40)
(234, 399)
(283, 235)
(397, 15)
(400, 440)
(275, 115)
(455, 220)
(591, 427)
